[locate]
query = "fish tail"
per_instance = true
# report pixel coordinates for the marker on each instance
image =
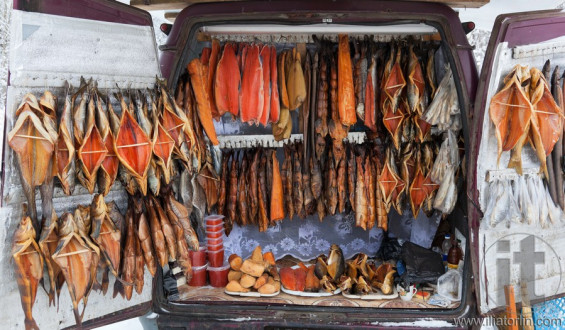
(105, 280)
(78, 318)
(30, 324)
(118, 288)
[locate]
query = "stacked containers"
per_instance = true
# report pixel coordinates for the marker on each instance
(199, 266)
(217, 270)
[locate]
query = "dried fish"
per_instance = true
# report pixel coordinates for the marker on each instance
(297, 187)
(232, 195)
(105, 234)
(277, 210)
(28, 262)
(263, 220)
(199, 77)
(65, 150)
(157, 236)
(346, 92)
(240, 192)
(361, 203)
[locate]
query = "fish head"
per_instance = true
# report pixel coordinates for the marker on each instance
(25, 230)
(362, 287)
(345, 283)
(321, 268)
(327, 283)
(67, 224)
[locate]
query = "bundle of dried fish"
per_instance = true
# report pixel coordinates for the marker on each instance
(443, 173)
(444, 110)
(28, 262)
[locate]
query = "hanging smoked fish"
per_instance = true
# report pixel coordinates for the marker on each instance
(262, 216)
(388, 180)
(321, 125)
(157, 235)
(341, 185)
(139, 266)
(346, 92)
(416, 85)
(34, 147)
(336, 128)
(251, 96)
(382, 216)
(128, 259)
(199, 78)
(228, 82)
(361, 202)
(370, 95)
(48, 243)
(232, 195)
(105, 234)
(182, 215)
(277, 210)
(240, 192)
(331, 188)
(352, 176)
(224, 183)
(183, 255)
(370, 187)
(76, 260)
(296, 84)
(265, 55)
(297, 187)
(134, 149)
(28, 262)
(65, 149)
(144, 237)
(288, 180)
(275, 99)
(166, 228)
(108, 170)
(211, 73)
(252, 179)
(394, 82)
(281, 70)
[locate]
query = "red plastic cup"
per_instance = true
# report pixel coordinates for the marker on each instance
(198, 258)
(214, 234)
(214, 228)
(215, 247)
(215, 219)
(219, 275)
(198, 276)
(214, 241)
(216, 258)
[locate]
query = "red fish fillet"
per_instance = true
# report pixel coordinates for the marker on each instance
(346, 92)
(227, 82)
(275, 101)
(251, 97)
(266, 62)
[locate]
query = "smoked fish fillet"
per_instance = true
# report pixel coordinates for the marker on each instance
(346, 91)
(198, 78)
(227, 82)
(251, 97)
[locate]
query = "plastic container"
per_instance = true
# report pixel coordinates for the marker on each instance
(214, 241)
(198, 276)
(215, 247)
(216, 258)
(214, 234)
(215, 219)
(198, 258)
(219, 275)
(216, 228)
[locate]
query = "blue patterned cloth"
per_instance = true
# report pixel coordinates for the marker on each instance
(550, 314)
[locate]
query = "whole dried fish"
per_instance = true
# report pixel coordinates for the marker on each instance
(48, 243)
(331, 188)
(370, 187)
(28, 262)
(277, 210)
(182, 216)
(166, 228)
(199, 77)
(198, 201)
(351, 177)
(224, 182)
(240, 192)
(134, 149)
(297, 187)
(65, 150)
(157, 236)
(77, 262)
(232, 194)
(361, 203)
(139, 267)
(144, 237)
(253, 200)
(295, 83)
(341, 185)
(336, 127)
(129, 257)
(105, 234)
(263, 220)
(316, 178)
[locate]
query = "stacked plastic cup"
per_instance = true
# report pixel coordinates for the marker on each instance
(217, 269)
(214, 240)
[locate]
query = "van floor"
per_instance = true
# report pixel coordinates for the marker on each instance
(208, 293)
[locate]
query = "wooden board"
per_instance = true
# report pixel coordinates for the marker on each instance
(180, 4)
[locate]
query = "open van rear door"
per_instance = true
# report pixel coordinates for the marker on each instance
(508, 255)
(52, 42)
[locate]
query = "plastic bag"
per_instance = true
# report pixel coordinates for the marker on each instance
(422, 265)
(390, 249)
(449, 285)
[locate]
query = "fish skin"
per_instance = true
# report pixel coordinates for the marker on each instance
(346, 91)
(28, 264)
(251, 97)
(228, 82)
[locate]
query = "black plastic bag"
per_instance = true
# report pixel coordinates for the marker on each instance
(390, 249)
(422, 265)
